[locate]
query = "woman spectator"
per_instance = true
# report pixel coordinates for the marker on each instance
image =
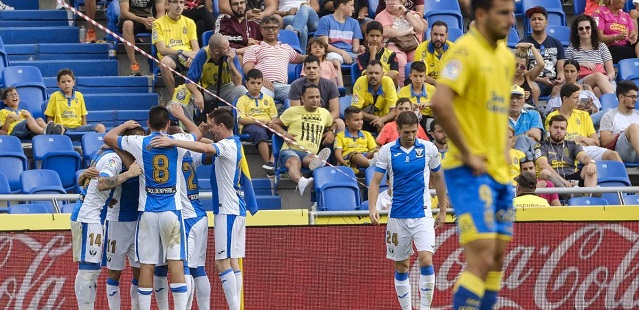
(526, 78)
(617, 29)
(592, 55)
(401, 26)
(411, 5)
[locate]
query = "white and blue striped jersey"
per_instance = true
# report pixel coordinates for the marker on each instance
(192, 208)
(162, 175)
(225, 178)
(91, 204)
(409, 173)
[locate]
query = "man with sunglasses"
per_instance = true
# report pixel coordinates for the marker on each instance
(241, 31)
(550, 48)
(272, 58)
(619, 128)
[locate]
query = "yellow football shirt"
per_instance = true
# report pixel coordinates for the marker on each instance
(261, 108)
(383, 100)
(426, 52)
(66, 111)
(579, 124)
(481, 75)
(176, 34)
(307, 127)
(423, 96)
(3, 118)
(362, 143)
(530, 200)
(515, 157)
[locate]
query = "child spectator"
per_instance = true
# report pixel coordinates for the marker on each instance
(341, 32)
(389, 132)
(354, 147)
(375, 41)
(260, 107)
(17, 122)
(66, 107)
(328, 71)
(419, 92)
(515, 156)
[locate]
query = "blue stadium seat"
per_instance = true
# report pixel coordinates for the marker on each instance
(206, 35)
(115, 85)
(29, 84)
(29, 35)
(5, 188)
(407, 69)
(513, 38)
(629, 6)
(613, 198)
(262, 187)
(453, 20)
(294, 72)
(372, 8)
(13, 161)
(336, 189)
(4, 61)
(286, 104)
(561, 33)
(344, 102)
(579, 6)
(453, 34)
(78, 173)
(608, 101)
(289, 37)
(56, 152)
(631, 200)
(629, 69)
(556, 14)
(268, 202)
(611, 171)
(41, 181)
(83, 67)
(29, 208)
(442, 5)
(364, 206)
(67, 208)
(120, 102)
(587, 201)
(203, 174)
(355, 73)
(91, 144)
(368, 176)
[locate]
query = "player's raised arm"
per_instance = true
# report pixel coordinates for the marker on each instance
(111, 138)
(166, 141)
(177, 111)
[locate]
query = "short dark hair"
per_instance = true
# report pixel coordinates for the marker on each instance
(6, 91)
(350, 110)
(432, 125)
(406, 118)
(254, 74)
(571, 62)
(401, 101)
(158, 117)
(336, 3)
(310, 59)
(481, 4)
(223, 116)
(418, 66)
(66, 71)
(623, 87)
(567, 90)
(137, 131)
(270, 19)
(439, 23)
(557, 118)
(374, 25)
(308, 86)
(526, 160)
(375, 62)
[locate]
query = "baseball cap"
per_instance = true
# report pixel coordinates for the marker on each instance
(536, 9)
(527, 181)
(517, 90)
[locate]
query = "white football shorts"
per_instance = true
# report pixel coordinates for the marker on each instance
(197, 232)
(160, 236)
(120, 244)
(402, 233)
(87, 242)
(230, 236)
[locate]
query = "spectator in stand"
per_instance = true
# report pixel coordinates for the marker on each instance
(375, 94)
(89, 9)
(592, 55)
(591, 6)
(342, 33)
(617, 29)
(550, 49)
(526, 197)
(419, 92)
(66, 108)
(620, 127)
(389, 133)
(136, 16)
(360, 13)
(527, 124)
(526, 78)
(515, 156)
(217, 68)
(375, 47)
(174, 36)
(440, 138)
(299, 16)
(528, 165)
(588, 101)
(318, 48)
(579, 125)
(241, 31)
(557, 158)
(329, 94)
(411, 5)
(201, 12)
(256, 106)
(403, 31)
(272, 58)
(432, 51)
(309, 126)
(19, 123)
(354, 147)
(255, 9)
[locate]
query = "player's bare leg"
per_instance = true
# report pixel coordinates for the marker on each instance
(493, 278)
(470, 287)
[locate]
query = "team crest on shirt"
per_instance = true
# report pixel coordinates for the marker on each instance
(155, 35)
(184, 31)
(355, 98)
(452, 69)
(578, 122)
(419, 153)
(385, 58)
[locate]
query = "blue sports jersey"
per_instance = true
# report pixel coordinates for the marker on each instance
(409, 173)
(129, 200)
(91, 204)
(192, 206)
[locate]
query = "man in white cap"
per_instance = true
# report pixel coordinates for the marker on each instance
(526, 123)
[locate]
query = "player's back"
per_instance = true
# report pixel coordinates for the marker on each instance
(124, 204)
(225, 178)
(481, 75)
(91, 203)
(190, 191)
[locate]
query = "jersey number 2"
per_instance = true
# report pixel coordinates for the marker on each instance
(188, 168)
(160, 169)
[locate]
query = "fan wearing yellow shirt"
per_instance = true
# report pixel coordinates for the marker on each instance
(353, 146)
(432, 51)
(257, 106)
(514, 157)
(16, 122)
(471, 103)
(419, 92)
(66, 108)
(526, 197)
(175, 38)
(376, 95)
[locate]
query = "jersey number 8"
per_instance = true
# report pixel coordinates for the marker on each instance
(160, 169)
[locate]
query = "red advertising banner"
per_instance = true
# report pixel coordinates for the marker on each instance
(548, 266)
